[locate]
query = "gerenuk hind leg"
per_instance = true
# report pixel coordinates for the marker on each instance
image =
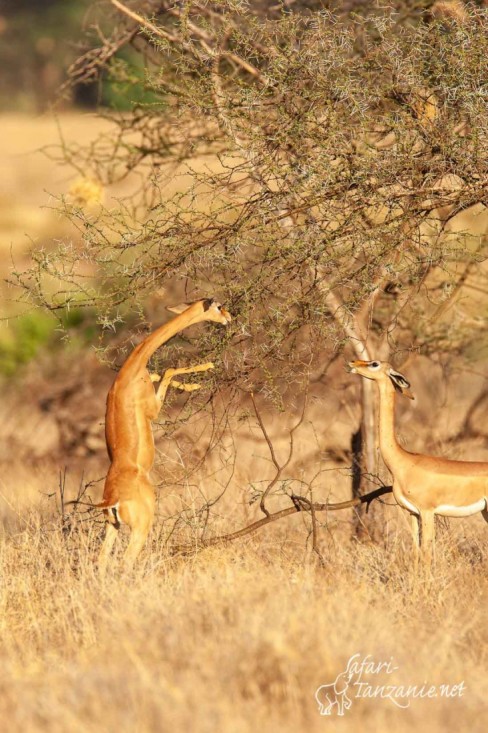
(112, 526)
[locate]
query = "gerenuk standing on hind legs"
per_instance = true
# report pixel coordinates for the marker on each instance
(132, 404)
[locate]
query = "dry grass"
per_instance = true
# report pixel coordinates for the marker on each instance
(235, 638)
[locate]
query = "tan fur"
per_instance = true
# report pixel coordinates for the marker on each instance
(424, 485)
(132, 404)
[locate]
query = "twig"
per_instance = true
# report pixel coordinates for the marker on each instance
(143, 22)
(315, 546)
(279, 468)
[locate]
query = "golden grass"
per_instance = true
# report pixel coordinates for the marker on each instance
(234, 638)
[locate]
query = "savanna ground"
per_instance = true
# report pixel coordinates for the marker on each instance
(233, 638)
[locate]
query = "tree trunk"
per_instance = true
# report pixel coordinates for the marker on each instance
(364, 464)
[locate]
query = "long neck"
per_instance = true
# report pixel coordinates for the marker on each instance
(390, 450)
(139, 358)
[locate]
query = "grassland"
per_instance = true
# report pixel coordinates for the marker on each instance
(234, 638)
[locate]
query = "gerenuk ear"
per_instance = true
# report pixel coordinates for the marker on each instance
(401, 384)
(178, 308)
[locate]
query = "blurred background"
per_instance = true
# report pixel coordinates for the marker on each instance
(39, 114)
(38, 42)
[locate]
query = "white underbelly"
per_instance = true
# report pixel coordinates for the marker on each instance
(448, 510)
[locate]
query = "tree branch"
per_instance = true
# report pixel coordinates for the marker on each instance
(300, 504)
(201, 35)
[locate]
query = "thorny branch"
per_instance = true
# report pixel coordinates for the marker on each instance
(203, 37)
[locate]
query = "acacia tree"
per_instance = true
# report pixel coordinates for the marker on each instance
(326, 159)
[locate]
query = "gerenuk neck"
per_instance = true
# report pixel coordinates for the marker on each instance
(143, 352)
(390, 450)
